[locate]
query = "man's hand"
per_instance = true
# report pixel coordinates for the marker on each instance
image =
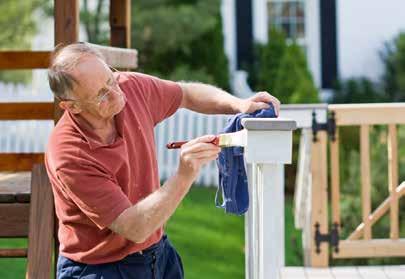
(195, 154)
(259, 101)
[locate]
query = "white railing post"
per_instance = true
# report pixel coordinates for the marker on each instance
(269, 147)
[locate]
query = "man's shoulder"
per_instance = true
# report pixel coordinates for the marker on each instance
(64, 143)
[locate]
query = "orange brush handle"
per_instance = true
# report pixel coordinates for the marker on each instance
(178, 144)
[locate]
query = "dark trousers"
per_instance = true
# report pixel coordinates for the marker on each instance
(160, 261)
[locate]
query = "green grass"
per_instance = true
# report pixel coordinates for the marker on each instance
(210, 242)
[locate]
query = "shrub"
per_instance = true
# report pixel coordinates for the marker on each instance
(180, 39)
(357, 90)
(281, 69)
(393, 79)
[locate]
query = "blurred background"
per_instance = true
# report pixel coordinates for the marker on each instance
(301, 51)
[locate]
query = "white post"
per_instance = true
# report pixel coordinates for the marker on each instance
(269, 146)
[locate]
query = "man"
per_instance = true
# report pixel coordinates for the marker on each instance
(101, 161)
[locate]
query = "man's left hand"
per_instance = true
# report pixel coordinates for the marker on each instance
(259, 101)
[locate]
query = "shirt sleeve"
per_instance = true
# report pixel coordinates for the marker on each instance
(163, 97)
(95, 194)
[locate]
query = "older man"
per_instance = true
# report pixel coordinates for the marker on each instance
(101, 161)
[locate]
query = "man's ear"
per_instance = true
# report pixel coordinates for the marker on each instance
(70, 106)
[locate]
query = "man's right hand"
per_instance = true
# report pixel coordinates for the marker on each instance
(195, 154)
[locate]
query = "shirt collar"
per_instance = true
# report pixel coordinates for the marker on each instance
(90, 136)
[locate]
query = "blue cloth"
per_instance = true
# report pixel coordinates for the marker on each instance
(160, 261)
(233, 184)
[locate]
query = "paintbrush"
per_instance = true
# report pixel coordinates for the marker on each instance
(221, 140)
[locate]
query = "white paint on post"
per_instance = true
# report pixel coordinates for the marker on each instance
(269, 146)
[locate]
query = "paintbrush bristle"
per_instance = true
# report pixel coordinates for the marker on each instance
(233, 139)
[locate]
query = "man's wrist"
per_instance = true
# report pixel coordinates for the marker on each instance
(184, 180)
(240, 105)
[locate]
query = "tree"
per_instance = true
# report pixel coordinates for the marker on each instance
(95, 22)
(266, 62)
(393, 80)
(281, 68)
(17, 27)
(180, 39)
(293, 81)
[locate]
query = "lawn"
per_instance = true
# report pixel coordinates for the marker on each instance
(210, 242)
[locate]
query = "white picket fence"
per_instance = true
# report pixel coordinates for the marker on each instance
(32, 136)
(185, 125)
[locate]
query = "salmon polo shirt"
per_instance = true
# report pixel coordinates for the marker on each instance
(93, 183)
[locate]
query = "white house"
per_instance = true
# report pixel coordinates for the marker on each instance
(342, 38)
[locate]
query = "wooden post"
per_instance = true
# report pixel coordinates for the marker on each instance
(269, 146)
(66, 15)
(67, 21)
(365, 179)
(41, 225)
(120, 23)
(303, 115)
(319, 213)
(393, 180)
(335, 179)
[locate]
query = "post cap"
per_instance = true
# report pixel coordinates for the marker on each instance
(269, 124)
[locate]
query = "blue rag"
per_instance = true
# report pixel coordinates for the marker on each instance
(233, 182)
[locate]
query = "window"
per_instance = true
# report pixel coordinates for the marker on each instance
(289, 16)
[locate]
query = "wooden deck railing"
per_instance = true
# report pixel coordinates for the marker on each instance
(312, 191)
(360, 243)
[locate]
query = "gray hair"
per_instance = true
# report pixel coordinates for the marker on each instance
(63, 60)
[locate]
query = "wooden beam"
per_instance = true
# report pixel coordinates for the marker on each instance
(17, 60)
(378, 213)
(365, 178)
(319, 200)
(370, 248)
(118, 57)
(19, 161)
(14, 219)
(26, 111)
(335, 178)
(41, 225)
(369, 114)
(13, 253)
(67, 21)
(15, 187)
(120, 23)
(393, 180)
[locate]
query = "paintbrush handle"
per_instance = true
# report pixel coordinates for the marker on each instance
(178, 144)
(175, 144)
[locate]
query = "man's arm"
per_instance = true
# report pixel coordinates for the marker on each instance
(209, 99)
(139, 221)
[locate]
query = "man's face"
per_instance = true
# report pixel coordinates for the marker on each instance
(97, 90)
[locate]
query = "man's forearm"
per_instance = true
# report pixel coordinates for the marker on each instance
(209, 99)
(138, 222)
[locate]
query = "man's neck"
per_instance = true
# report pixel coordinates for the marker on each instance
(104, 129)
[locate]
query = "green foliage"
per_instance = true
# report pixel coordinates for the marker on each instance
(357, 90)
(17, 27)
(281, 68)
(393, 79)
(95, 22)
(293, 83)
(267, 58)
(181, 39)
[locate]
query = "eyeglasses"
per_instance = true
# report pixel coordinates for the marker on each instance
(101, 97)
